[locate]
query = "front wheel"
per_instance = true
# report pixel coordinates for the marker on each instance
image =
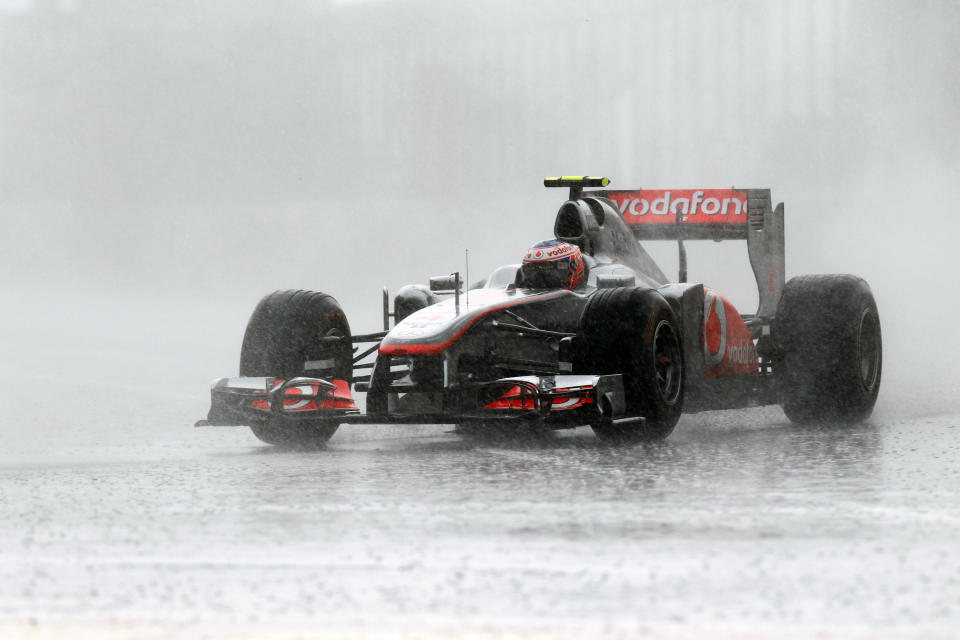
(304, 435)
(288, 336)
(634, 332)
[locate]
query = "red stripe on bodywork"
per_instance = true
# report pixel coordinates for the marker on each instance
(433, 348)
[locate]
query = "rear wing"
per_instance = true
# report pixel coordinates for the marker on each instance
(713, 214)
(690, 214)
(701, 214)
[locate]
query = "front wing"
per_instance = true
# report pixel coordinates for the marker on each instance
(556, 401)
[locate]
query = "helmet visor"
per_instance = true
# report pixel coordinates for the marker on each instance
(549, 274)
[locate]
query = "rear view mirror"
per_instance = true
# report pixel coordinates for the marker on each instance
(445, 284)
(611, 281)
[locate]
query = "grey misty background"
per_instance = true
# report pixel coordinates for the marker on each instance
(192, 157)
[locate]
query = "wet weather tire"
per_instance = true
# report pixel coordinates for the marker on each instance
(309, 435)
(635, 332)
(830, 353)
(283, 340)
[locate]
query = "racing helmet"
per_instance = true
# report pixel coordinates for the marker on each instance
(553, 264)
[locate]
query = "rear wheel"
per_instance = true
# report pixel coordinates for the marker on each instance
(284, 339)
(635, 332)
(829, 348)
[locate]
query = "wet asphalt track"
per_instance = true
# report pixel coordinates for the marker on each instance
(119, 518)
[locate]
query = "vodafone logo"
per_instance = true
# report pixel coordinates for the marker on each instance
(714, 329)
(548, 253)
(694, 205)
(742, 353)
(728, 346)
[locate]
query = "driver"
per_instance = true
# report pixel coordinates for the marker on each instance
(553, 264)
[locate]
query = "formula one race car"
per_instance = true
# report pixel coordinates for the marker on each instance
(586, 330)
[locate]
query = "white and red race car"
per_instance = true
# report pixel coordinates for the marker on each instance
(613, 344)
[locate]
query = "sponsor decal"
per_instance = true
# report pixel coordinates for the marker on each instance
(549, 253)
(728, 347)
(696, 206)
(409, 332)
(742, 353)
(714, 328)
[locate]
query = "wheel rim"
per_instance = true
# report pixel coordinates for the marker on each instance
(667, 363)
(868, 349)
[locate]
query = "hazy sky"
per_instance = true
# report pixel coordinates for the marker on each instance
(232, 148)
